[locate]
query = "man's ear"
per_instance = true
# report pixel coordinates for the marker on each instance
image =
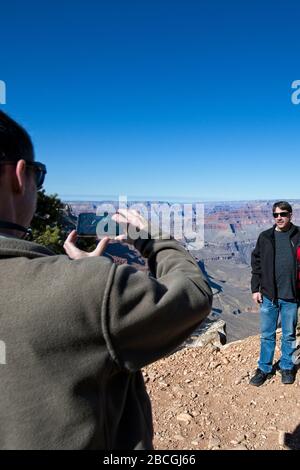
(19, 180)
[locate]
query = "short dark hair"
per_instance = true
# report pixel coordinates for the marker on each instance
(15, 142)
(283, 205)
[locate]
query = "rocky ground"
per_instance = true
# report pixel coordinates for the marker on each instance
(202, 399)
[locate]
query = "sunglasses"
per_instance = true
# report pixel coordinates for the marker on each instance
(39, 170)
(281, 214)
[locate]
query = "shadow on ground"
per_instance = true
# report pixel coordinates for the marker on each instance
(292, 440)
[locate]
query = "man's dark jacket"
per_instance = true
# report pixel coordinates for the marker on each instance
(77, 333)
(263, 262)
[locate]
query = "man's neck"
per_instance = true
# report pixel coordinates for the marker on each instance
(286, 229)
(11, 229)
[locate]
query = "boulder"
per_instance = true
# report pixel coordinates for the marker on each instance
(209, 332)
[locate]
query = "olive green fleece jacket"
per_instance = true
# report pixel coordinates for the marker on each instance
(77, 332)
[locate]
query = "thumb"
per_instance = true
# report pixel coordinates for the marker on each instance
(99, 250)
(71, 249)
(72, 237)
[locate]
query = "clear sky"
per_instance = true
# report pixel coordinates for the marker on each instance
(157, 98)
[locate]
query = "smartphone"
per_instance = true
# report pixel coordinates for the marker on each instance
(91, 225)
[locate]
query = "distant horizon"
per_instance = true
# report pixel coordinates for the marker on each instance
(98, 198)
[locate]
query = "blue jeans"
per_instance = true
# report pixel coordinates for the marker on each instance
(269, 313)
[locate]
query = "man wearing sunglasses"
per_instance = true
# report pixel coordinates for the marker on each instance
(79, 328)
(274, 287)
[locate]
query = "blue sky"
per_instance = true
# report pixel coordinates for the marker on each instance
(157, 98)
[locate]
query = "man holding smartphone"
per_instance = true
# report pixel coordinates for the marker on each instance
(79, 328)
(274, 287)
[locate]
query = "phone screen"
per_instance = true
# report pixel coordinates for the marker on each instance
(91, 225)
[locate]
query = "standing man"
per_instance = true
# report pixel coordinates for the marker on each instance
(273, 284)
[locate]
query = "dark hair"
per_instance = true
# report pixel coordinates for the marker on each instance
(15, 142)
(285, 206)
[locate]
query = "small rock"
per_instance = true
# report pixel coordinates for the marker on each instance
(162, 384)
(240, 438)
(213, 442)
(214, 365)
(179, 437)
(281, 438)
(152, 376)
(185, 417)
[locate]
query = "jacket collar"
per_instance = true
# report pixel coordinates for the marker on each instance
(13, 247)
(270, 232)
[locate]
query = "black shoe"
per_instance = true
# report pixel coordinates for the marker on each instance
(259, 378)
(287, 376)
